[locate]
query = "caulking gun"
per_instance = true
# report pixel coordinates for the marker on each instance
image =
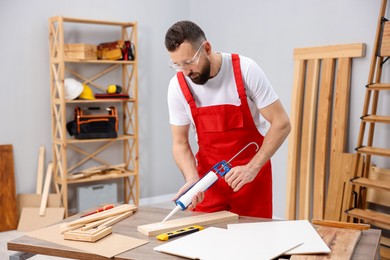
(205, 182)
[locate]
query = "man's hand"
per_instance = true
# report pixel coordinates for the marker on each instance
(239, 176)
(195, 200)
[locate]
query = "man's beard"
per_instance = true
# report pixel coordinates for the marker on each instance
(201, 77)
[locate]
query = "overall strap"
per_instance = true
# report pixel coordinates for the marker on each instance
(238, 76)
(186, 90)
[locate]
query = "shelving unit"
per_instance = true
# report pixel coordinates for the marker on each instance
(70, 154)
(371, 186)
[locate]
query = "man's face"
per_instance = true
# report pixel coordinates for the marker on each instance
(193, 63)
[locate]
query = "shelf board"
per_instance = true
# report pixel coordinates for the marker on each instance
(119, 138)
(101, 100)
(97, 177)
(88, 21)
(128, 62)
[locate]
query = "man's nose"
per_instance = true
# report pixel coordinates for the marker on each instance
(186, 71)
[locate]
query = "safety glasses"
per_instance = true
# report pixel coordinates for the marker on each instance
(189, 63)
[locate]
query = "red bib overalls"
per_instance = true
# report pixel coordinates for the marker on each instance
(223, 130)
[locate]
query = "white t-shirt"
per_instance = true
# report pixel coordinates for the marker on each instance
(222, 90)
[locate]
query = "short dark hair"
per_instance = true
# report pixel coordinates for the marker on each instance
(184, 31)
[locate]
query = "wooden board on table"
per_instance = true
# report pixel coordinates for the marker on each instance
(342, 243)
(109, 246)
(8, 212)
(201, 219)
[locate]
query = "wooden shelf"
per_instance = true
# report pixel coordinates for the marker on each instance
(97, 177)
(88, 21)
(78, 150)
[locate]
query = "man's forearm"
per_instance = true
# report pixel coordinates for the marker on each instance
(272, 141)
(185, 161)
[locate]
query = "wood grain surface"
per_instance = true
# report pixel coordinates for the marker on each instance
(8, 212)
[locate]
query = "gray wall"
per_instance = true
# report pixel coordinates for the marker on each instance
(267, 31)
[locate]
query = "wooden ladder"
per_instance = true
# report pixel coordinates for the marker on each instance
(366, 182)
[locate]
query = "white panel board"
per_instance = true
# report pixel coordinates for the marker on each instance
(217, 243)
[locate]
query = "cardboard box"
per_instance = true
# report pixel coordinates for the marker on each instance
(80, 51)
(95, 195)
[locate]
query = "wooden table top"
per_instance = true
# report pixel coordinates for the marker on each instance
(367, 248)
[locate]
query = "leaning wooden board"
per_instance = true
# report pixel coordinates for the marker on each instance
(8, 212)
(202, 219)
(341, 241)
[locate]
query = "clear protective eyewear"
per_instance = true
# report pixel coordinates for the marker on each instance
(189, 63)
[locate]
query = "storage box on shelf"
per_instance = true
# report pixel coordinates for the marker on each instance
(71, 60)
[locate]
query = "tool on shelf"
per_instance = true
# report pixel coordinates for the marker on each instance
(205, 182)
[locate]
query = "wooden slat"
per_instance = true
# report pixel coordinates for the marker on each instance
(308, 134)
(341, 105)
(369, 215)
(295, 137)
(322, 135)
(341, 169)
(201, 219)
(332, 51)
(374, 151)
(357, 170)
(339, 224)
(41, 165)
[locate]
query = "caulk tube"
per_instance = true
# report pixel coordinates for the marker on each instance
(201, 185)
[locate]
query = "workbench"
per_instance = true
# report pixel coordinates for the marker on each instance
(367, 247)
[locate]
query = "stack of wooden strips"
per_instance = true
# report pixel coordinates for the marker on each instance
(96, 226)
(103, 169)
(319, 118)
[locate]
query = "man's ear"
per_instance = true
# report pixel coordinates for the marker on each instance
(207, 47)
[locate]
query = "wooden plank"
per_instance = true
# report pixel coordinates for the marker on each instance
(342, 243)
(357, 170)
(331, 51)
(308, 134)
(8, 212)
(342, 167)
(322, 136)
(104, 214)
(294, 137)
(202, 219)
(341, 105)
(46, 190)
(338, 224)
(41, 165)
(86, 237)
